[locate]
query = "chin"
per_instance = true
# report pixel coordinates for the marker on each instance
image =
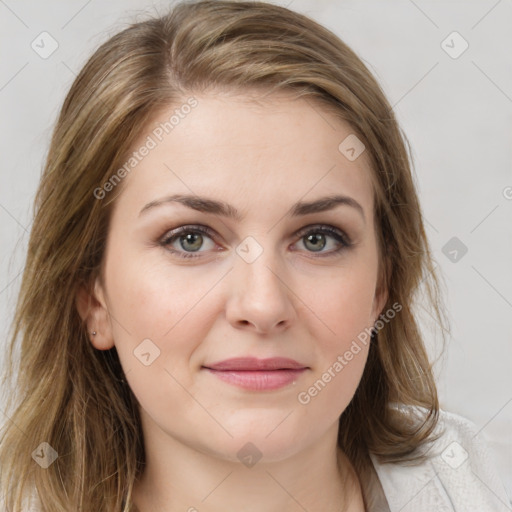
(251, 451)
(265, 445)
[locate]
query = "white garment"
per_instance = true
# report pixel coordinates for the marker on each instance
(458, 476)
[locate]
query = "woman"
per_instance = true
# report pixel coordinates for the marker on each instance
(216, 311)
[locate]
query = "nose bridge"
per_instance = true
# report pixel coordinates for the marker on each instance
(259, 268)
(258, 295)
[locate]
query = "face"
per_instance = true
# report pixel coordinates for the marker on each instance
(248, 262)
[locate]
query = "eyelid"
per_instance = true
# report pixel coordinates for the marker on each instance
(185, 228)
(326, 229)
(212, 234)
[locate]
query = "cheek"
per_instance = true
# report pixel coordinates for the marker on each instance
(155, 333)
(341, 354)
(151, 298)
(343, 304)
(330, 390)
(150, 312)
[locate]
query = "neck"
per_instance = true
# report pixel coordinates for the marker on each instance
(179, 478)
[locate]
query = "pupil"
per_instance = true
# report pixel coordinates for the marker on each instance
(190, 238)
(318, 241)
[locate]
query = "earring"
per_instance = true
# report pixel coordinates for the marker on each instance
(93, 333)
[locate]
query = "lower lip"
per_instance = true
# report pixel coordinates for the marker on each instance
(258, 380)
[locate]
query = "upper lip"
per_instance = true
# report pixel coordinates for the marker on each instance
(253, 363)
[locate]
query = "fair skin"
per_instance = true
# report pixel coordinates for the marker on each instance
(298, 299)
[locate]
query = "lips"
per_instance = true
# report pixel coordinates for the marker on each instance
(257, 374)
(254, 364)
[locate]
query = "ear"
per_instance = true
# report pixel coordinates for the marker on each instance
(93, 310)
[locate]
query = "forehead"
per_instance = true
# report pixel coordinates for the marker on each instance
(249, 149)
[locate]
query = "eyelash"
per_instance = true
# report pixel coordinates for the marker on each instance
(335, 233)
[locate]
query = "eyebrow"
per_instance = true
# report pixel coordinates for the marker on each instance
(208, 205)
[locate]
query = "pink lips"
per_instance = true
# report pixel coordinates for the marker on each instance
(257, 374)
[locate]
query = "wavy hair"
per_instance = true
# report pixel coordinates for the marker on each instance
(72, 396)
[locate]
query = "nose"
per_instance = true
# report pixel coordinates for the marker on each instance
(260, 299)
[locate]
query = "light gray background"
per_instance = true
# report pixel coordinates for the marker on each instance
(457, 113)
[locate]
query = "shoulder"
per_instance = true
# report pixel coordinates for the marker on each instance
(458, 473)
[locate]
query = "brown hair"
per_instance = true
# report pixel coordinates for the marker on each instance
(72, 396)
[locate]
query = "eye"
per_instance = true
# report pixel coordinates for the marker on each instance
(316, 238)
(187, 240)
